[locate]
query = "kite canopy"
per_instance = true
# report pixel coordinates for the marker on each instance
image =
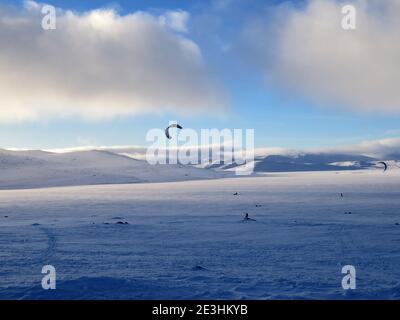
(384, 163)
(175, 125)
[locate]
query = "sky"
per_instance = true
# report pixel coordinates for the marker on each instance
(112, 70)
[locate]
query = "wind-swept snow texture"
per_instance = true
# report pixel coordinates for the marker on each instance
(187, 240)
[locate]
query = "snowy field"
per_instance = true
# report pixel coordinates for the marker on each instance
(187, 240)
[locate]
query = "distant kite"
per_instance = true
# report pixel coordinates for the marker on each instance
(384, 163)
(175, 125)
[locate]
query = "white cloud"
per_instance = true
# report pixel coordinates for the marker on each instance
(379, 148)
(305, 51)
(374, 148)
(176, 20)
(30, 5)
(100, 64)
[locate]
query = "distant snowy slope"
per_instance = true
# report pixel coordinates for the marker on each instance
(303, 162)
(313, 162)
(34, 169)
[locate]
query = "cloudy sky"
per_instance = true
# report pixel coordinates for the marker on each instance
(112, 70)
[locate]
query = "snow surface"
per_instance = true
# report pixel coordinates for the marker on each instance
(187, 240)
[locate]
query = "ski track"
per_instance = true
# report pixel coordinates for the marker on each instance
(51, 244)
(187, 240)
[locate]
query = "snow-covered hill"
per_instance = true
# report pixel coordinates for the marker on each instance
(33, 169)
(312, 162)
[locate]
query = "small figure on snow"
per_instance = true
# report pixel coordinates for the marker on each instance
(246, 218)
